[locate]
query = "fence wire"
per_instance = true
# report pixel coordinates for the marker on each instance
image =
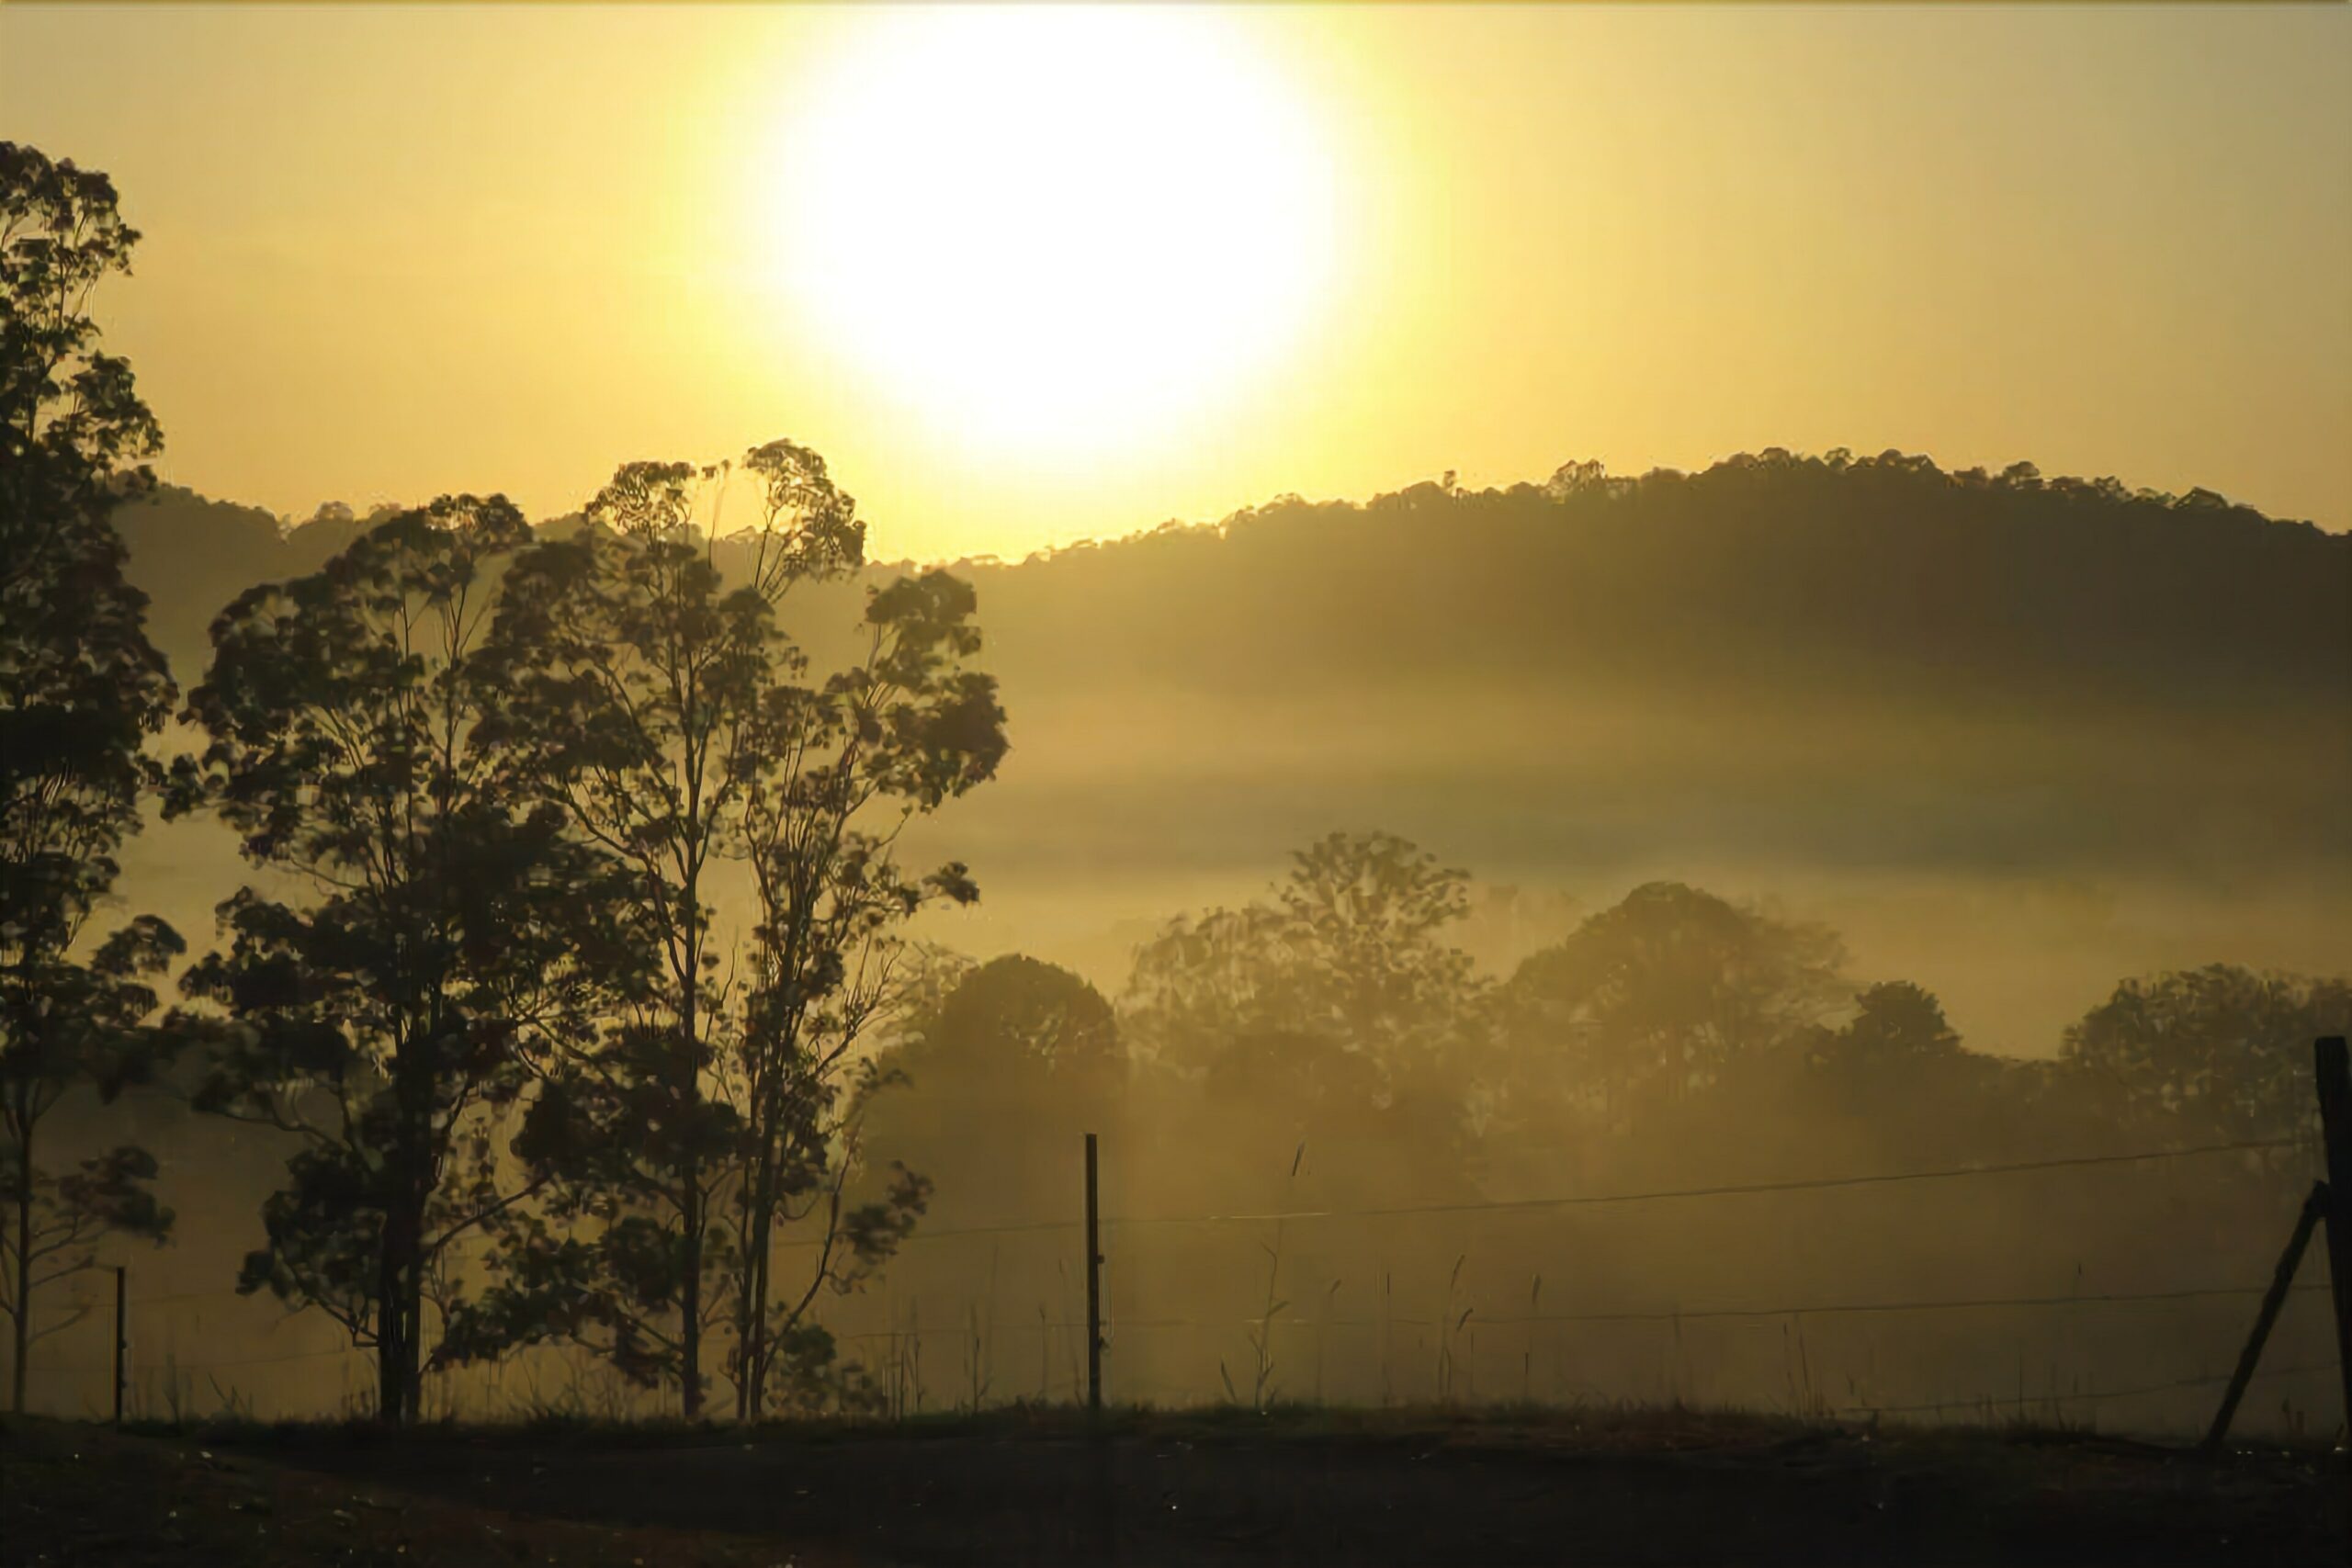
(1261, 1324)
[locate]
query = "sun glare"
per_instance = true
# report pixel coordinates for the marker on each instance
(1057, 229)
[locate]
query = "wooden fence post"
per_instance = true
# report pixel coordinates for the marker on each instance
(1093, 1290)
(2282, 1279)
(1104, 1547)
(2335, 1126)
(121, 1338)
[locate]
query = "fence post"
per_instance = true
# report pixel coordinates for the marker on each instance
(2336, 1127)
(2282, 1279)
(1093, 1291)
(121, 1337)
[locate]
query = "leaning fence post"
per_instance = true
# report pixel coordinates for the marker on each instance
(121, 1338)
(2336, 1127)
(2282, 1279)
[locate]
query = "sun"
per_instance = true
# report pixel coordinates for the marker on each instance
(1054, 229)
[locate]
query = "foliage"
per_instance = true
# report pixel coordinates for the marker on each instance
(71, 420)
(80, 690)
(1648, 1002)
(1207, 979)
(1351, 949)
(638, 671)
(1894, 1021)
(2225, 1050)
(1335, 1012)
(662, 707)
(848, 766)
(1016, 1019)
(83, 1029)
(1010, 1063)
(394, 1018)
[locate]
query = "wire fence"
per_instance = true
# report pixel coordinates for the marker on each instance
(884, 1350)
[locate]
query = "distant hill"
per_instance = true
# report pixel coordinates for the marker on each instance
(1782, 674)
(1884, 575)
(1832, 650)
(191, 555)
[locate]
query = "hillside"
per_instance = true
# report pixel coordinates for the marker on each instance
(1882, 575)
(1889, 691)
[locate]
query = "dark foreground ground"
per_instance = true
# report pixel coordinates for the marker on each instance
(1303, 1488)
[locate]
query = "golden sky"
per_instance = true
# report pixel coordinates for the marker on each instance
(1026, 278)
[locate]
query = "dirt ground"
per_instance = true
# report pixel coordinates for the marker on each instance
(82, 1496)
(1229, 1488)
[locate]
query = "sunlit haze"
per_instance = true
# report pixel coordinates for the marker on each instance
(1348, 248)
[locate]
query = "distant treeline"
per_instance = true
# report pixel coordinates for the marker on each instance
(1327, 1052)
(1865, 574)
(1870, 574)
(1823, 660)
(1674, 1036)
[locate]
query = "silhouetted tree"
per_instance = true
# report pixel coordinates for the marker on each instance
(662, 707)
(73, 1026)
(1367, 913)
(72, 427)
(453, 932)
(638, 674)
(1897, 1071)
(1893, 1021)
(81, 688)
(1336, 1013)
(1351, 949)
(1648, 1002)
(1204, 980)
(2219, 1052)
(1006, 1067)
(1016, 1016)
(837, 773)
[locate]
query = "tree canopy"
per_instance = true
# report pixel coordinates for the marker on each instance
(659, 705)
(80, 691)
(393, 1018)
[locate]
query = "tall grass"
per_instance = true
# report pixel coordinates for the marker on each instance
(1448, 1327)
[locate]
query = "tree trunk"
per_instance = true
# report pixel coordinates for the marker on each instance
(392, 1382)
(400, 1322)
(747, 1328)
(692, 1208)
(415, 1346)
(22, 1317)
(754, 1330)
(690, 1331)
(400, 1268)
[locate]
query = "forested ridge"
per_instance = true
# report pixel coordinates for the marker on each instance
(2002, 582)
(1848, 661)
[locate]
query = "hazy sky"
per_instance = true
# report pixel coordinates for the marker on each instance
(1027, 278)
